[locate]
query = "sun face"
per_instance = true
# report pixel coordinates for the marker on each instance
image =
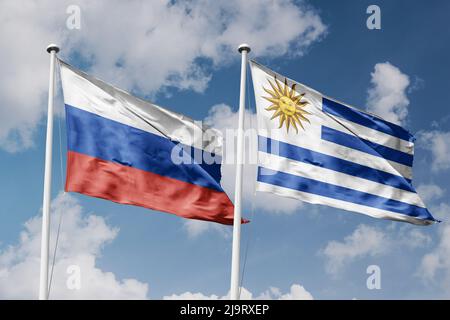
(286, 105)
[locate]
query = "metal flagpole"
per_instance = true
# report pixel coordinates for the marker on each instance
(235, 255)
(43, 280)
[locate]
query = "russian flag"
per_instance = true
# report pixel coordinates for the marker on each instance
(130, 151)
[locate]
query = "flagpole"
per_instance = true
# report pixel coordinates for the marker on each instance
(45, 238)
(244, 49)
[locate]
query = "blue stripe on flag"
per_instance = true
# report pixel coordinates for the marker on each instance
(109, 140)
(297, 153)
(375, 149)
(365, 119)
(303, 184)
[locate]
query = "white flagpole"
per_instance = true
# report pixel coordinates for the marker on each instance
(235, 255)
(45, 239)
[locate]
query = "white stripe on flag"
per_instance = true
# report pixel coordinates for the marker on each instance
(310, 171)
(317, 199)
(346, 153)
(372, 135)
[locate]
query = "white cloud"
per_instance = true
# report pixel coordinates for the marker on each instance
(296, 292)
(438, 143)
(429, 192)
(367, 241)
(435, 265)
(194, 228)
(412, 239)
(139, 45)
(441, 211)
(81, 241)
(25, 31)
(191, 296)
(364, 241)
(387, 95)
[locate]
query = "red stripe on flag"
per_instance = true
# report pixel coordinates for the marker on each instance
(112, 181)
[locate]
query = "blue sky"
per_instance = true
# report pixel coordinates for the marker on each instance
(294, 246)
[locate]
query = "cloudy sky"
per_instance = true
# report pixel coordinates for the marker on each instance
(182, 55)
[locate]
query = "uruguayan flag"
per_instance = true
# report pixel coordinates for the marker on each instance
(318, 150)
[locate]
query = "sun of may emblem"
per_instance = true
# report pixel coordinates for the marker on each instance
(286, 105)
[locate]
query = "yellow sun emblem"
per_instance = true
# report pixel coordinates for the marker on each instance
(287, 105)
